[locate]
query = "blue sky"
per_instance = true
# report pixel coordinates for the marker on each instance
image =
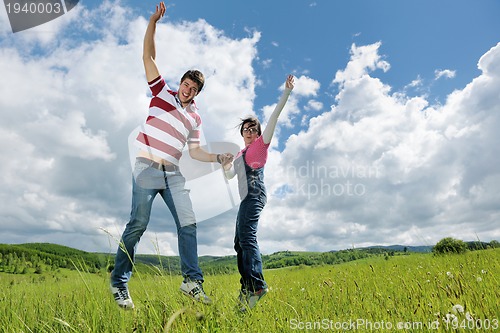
(314, 37)
(390, 135)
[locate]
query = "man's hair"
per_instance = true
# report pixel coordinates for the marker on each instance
(253, 121)
(196, 76)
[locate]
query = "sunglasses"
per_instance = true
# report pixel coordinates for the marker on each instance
(251, 130)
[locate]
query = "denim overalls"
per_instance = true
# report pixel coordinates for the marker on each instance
(253, 199)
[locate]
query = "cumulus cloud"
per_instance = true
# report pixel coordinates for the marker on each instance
(313, 105)
(446, 73)
(69, 103)
(363, 59)
(384, 168)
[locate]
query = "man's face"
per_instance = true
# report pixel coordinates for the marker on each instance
(187, 91)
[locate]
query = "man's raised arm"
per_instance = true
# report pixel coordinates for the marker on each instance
(149, 51)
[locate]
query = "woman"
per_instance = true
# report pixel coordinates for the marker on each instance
(249, 166)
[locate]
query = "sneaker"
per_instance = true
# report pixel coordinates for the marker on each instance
(122, 297)
(242, 296)
(242, 299)
(194, 289)
(249, 299)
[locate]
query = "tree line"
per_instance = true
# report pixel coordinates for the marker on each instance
(451, 245)
(44, 257)
(41, 257)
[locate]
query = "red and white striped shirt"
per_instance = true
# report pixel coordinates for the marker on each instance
(168, 126)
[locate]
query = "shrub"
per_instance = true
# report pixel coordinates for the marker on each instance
(449, 245)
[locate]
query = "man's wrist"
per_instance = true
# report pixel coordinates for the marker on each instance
(217, 157)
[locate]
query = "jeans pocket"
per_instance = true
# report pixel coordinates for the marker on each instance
(139, 167)
(147, 177)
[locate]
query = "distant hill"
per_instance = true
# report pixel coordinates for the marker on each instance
(40, 257)
(403, 248)
(471, 245)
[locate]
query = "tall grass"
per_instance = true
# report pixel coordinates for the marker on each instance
(417, 293)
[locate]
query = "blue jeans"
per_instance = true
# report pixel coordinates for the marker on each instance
(146, 184)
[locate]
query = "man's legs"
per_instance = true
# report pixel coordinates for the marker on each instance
(142, 200)
(176, 196)
(177, 199)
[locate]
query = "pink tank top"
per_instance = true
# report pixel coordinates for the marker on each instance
(256, 153)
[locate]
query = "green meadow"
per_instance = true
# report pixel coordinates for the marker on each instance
(405, 293)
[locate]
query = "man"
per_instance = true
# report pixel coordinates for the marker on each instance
(171, 124)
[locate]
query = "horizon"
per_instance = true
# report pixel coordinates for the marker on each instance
(268, 254)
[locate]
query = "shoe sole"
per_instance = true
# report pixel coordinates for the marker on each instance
(193, 298)
(125, 307)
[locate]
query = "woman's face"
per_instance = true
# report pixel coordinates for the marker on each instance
(250, 133)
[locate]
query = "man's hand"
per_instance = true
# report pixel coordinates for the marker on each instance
(158, 14)
(225, 158)
(149, 50)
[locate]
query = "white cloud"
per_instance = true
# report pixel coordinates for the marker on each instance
(379, 168)
(313, 105)
(363, 59)
(267, 63)
(305, 86)
(490, 62)
(446, 73)
(415, 83)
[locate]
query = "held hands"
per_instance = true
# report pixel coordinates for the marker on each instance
(225, 159)
(158, 14)
(289, 84)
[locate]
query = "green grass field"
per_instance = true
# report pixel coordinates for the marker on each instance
(410, 293)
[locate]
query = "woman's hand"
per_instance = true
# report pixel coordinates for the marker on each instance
(289, 84)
